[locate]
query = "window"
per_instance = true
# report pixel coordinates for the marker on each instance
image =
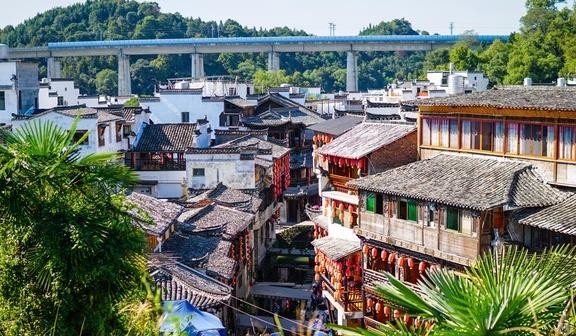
(536, 140)
(101, 133)
(198, 172)
(2, 100)
(246, 156)
(452, 222)
(440, 132)
(371, 203)
(118, 132)
(487, 135)
(78, 135)
(430, 222)
(185, 117)
(379, 204)
(60, 101)
(470, 134)
(407, 210)
(512, 129)
(567, 143)
(460, 220)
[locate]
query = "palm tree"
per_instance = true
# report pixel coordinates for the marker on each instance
(506, 292)
(70, 253)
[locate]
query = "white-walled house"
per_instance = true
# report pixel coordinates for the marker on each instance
(183, 106)
(57, 92)
(158, 156)
(105, 130)
(18, 89)
(233, 167)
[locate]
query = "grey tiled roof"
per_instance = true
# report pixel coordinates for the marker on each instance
(466, 182)
(522, 97)
(365, 138)
(154, 215)
(338, 126)
(335, 248)
(558, 218)
(166, 138)
(252, 141)
(242, 200)
(178, 282)
(216, 218)
(209, 252)
(284, 110)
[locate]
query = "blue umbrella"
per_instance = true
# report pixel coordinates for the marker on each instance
(181, 316)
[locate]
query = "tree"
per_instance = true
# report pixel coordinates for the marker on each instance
(463, 57)
(494, 61)
(70, 252)
(437, 59)
(507, 292)
(107, 82)
(263, 80)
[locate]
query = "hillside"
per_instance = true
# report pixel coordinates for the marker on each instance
(113, 19)
(543, 50)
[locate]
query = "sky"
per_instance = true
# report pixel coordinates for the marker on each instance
(482, 16)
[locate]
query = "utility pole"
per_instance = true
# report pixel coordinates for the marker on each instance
(451, 28)
(332, 28)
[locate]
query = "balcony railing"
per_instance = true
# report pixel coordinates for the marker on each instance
(155, 165)
(339, 182)
(372, 324)
(351, 298)
(371, 276)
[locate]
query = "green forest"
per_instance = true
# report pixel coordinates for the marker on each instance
(543, 49)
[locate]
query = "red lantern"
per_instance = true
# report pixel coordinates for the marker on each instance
(365, 249)
(407, 319)
(314, 138)
(378, 307)
(387, 311)
(317, 277)
(392, 258)
(422, 267)
(341, 206)
(384, 255)
(360, 164)
(411, 263)
(402, 261)
(374, 252)
(349, 262)
(349, 272)
(350, 208)
(317, 269)
(396, 313)
(369, 302)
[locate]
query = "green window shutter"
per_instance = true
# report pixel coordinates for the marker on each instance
(412, 211)
(452, 219)
(371, 203)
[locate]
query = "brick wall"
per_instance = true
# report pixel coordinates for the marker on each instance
(398, 153)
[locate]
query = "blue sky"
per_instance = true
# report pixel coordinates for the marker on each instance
(481, 16)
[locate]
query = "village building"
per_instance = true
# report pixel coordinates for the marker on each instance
(286, 122)
(158, 156)
(490, 166)
(172, 273)
(57, 92)
(18, 89)
(367, 148)
(105, 130)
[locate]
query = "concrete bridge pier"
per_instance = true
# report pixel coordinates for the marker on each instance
(124, 80)
(352, 71)
(197, 61)
(54, 68)
(273, 61)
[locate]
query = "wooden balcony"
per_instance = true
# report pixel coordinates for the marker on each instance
(371, 277)
(351, 299)
(339, 182)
